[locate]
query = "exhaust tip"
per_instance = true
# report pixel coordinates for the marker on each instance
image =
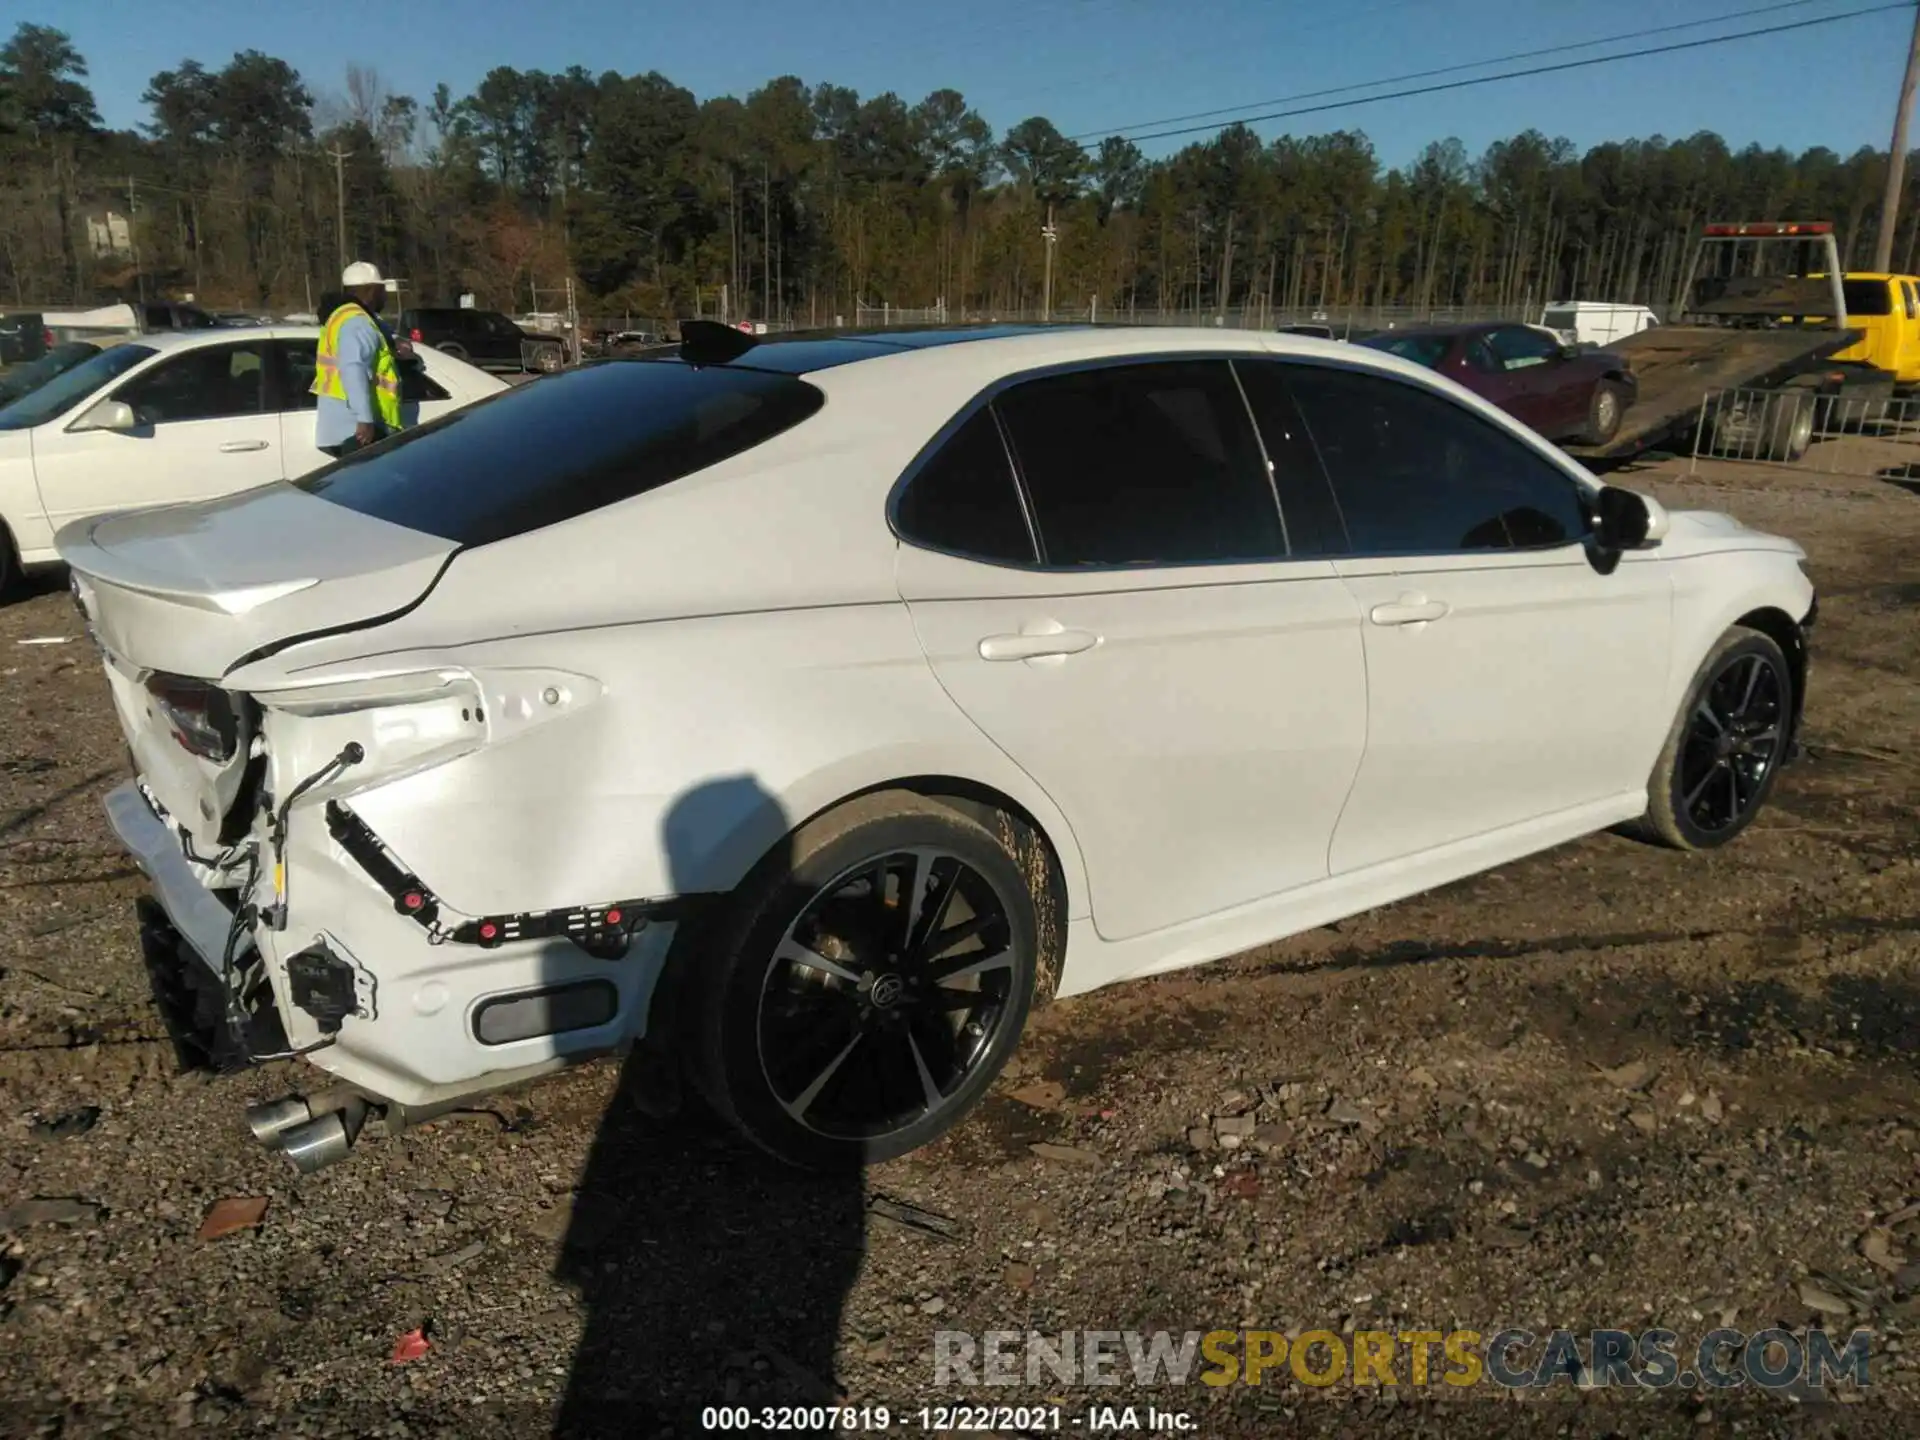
(316, 1144)
(271, 1119)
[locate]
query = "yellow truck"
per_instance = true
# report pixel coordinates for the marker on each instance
(1886, 309)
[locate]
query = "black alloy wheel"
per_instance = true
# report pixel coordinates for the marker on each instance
(1727, 744)
(859, 992)
(885, 993)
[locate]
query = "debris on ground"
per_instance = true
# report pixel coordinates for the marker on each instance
(44, 1210)
(1634, 1075)
(63, 1127)
(233, 1214)
(914, 1217)
(410, 1346)
(1064, 1154)
(1040, 1094)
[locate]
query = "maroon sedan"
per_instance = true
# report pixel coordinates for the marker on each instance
(1563, 391)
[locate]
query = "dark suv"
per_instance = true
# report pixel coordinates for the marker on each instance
(485, 338)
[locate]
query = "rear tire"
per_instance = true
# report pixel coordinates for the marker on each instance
(458, 352)
(9, 565)
(1726, 746)
(1778, 427)
(1605, 410)
(826, 1025)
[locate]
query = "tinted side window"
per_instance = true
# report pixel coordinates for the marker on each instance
(1307, 507)
(965, 499)
(1416, 473)
(299, 357)
(1142, 464)
(575, 442)
(1867, 297)
(211, 383)
(1517, 347)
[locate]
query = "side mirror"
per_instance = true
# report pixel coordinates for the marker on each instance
(108, 415)
(1569, 351)
(1629, 520)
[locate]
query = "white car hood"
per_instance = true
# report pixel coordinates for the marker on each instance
(194, 589)
(1703, 532)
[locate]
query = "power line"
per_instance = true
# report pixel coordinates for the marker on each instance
(1453, 69)
(1526, 73)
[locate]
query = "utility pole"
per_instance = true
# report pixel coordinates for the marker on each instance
(1897, 156)
(766, 257)
(1050, 235)
(340, 200)
(133, 240)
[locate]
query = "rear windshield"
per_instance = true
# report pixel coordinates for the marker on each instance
(1867, 297)
(564, 445)
(1427, 350)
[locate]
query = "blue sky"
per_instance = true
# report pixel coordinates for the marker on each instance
(1089, 65)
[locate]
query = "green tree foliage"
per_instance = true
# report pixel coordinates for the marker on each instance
(803, 201)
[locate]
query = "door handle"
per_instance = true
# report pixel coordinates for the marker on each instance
(1408, 610)
(1035, 647)
(240, 447)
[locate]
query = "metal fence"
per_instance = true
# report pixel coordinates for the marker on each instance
(1863, 435)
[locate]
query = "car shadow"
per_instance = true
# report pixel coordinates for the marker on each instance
(709, 1274)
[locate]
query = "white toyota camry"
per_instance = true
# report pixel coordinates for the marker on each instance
(181, 416)
(822, 704)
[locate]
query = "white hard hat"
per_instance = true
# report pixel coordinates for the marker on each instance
(361, 272)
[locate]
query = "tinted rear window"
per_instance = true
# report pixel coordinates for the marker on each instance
(562, 446)
(1867, 297)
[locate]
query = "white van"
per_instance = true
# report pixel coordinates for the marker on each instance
(1596, 322)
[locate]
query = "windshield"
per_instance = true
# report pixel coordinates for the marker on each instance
(1427, 350)
(67, 390)
(25, 379)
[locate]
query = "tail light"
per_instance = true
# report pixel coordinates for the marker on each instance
(46, 338)
(414, 335)
(201, 716)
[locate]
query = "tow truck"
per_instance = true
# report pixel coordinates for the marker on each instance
(1765, 310)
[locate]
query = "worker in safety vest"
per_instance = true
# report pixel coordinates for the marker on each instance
(356, 369)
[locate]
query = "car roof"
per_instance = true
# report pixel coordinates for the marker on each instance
(994, 350)
(167, 341)
(1449, 330)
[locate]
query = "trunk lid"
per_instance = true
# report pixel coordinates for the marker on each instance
(194, 589)
(178, 596)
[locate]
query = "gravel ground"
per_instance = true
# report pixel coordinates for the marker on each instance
(1608, 1087)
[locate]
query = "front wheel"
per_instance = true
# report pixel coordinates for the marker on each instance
(1726, 746)
(865, 984)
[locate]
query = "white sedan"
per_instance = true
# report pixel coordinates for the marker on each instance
(817, 706)
(182, 416)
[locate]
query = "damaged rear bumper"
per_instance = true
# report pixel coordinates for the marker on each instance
(428, 1024)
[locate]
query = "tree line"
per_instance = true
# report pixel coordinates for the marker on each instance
(804, 202)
